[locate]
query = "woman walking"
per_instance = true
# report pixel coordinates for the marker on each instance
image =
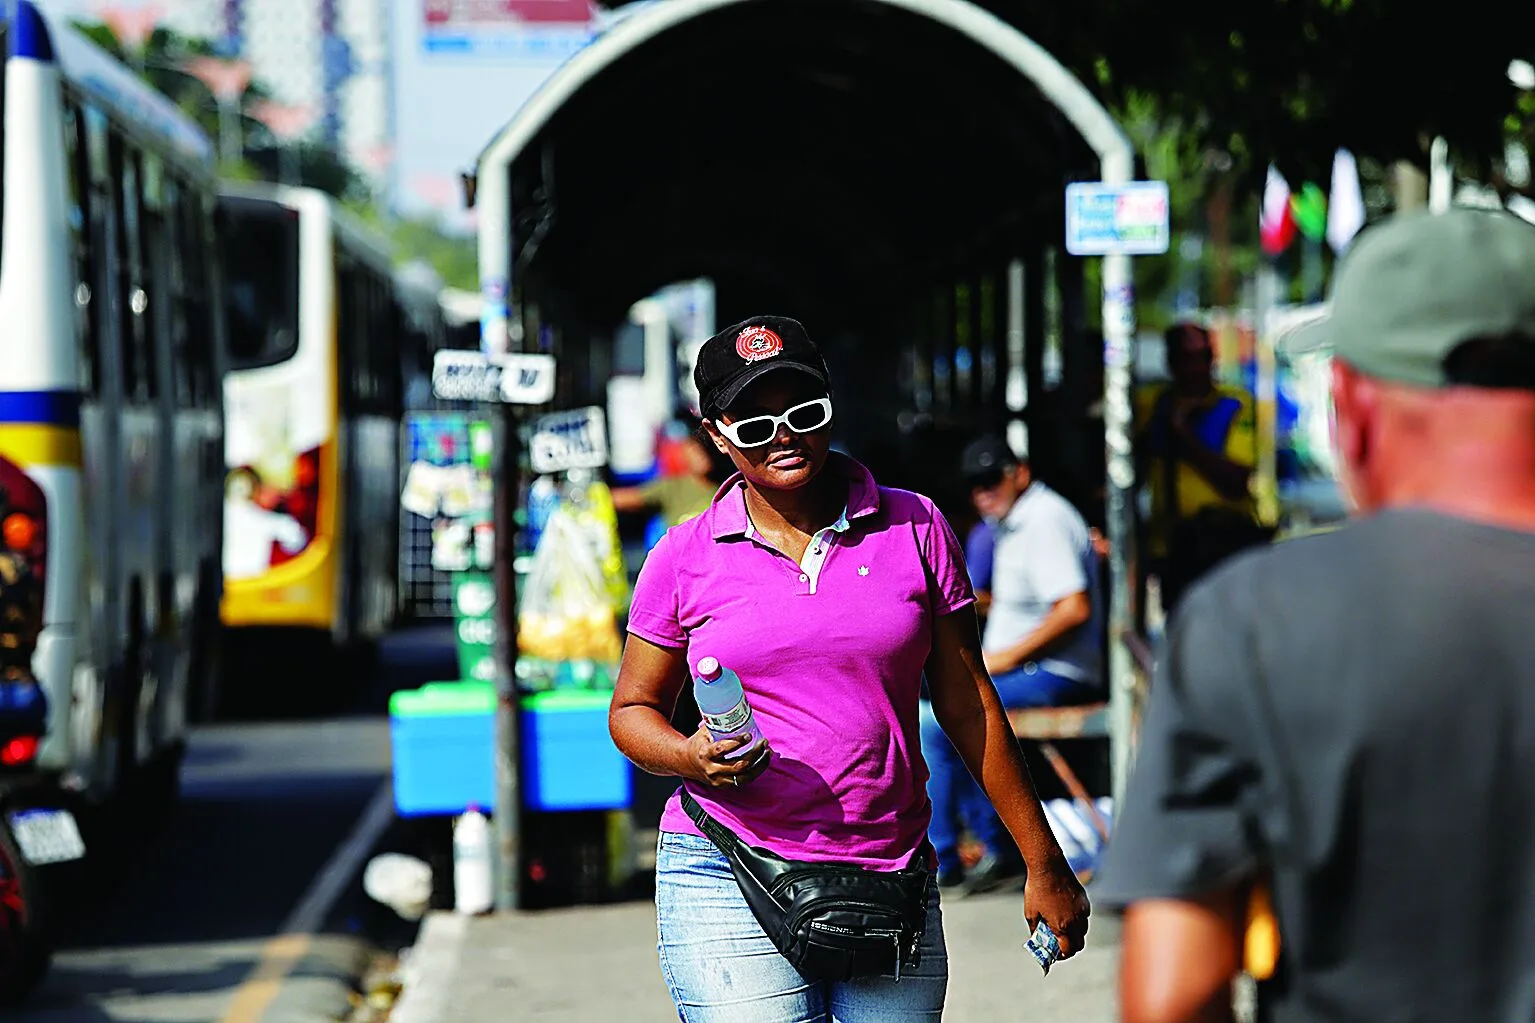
(830, 596)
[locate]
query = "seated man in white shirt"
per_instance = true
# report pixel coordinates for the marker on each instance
(1042, 642)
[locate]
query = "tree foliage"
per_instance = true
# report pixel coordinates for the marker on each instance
(1289, 81)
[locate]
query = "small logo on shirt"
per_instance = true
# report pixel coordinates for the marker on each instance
(863, 569)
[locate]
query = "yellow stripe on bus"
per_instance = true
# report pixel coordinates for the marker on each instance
(30, 445)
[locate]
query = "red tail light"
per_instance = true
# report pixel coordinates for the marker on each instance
(19, 751)
(23, 569)
(23, 572)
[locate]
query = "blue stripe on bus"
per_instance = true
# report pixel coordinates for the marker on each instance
(50, 408)
(29, 37)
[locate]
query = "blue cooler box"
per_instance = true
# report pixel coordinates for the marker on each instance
(569, 761)
(444, 737)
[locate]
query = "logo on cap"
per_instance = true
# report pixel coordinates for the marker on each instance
(757, 343)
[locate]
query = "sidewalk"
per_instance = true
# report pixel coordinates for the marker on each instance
(599, 963)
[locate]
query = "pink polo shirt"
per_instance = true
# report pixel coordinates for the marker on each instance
(831, 654)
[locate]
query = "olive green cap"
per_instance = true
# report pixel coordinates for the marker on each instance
(1417, 285)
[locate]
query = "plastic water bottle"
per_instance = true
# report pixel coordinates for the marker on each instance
(722, 702)
(473, 888)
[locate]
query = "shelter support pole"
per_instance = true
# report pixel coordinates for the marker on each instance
(1034, 285)
(1118, 427)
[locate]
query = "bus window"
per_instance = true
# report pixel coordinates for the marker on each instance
(99, 227)
(151, 295)
(364, 336)
(260, 250)
(177, 301)
(348, 314)
(191, 332)
(382, 343)
(193, 228)
(85, 232)
(130, 298)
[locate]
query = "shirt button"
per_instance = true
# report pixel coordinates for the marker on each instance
(818, 550)
(804, 578)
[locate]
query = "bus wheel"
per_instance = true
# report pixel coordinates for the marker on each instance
(24, 946)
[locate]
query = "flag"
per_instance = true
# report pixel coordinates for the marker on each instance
(1345, 207)
(1276, 220)
(1309, 208)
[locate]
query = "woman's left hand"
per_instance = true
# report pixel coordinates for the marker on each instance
(1055, 896)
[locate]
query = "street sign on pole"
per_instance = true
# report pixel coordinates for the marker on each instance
(562, 441)
(514, 378)
(1131, 219)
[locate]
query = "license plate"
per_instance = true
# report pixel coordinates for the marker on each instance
(47, 836)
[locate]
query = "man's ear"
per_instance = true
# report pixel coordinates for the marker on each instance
(1355, 401)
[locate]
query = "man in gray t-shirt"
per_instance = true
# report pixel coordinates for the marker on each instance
(1345, 724)
(1042, 643)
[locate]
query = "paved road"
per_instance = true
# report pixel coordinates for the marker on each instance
(189, 934)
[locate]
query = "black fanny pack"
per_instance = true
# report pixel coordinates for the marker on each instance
(832, 921)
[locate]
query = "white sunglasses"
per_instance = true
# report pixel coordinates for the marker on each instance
(759, 430)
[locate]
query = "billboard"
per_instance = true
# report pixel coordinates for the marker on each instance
(460, 69)
(505, 30)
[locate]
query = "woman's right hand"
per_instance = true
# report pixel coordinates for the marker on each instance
(706, 763)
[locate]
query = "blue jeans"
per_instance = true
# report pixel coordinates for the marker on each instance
(721, 968)
(957, 799)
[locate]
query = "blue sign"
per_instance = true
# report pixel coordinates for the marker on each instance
(527, 45)
(1132, 219)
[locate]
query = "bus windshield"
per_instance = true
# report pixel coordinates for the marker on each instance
(260, 250)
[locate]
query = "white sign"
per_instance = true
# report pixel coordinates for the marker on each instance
(517, 378)
(1132, 219)
(570, 440)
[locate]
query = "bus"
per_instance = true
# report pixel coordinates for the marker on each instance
(313, 399)
(111, 468)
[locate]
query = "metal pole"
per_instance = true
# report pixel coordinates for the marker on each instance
(508, 808)
(494, 321)
(1118, 428)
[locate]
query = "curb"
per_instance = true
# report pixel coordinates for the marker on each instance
(431, 971)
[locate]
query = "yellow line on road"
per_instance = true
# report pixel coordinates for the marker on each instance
(281, 955)
(277, 959)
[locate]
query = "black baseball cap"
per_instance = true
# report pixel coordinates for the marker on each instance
(986, 459)
(747, 351)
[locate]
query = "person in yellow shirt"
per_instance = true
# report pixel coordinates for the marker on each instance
(1195, 448)
(681, 497)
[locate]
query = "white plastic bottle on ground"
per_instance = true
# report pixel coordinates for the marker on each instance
(473, 884)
